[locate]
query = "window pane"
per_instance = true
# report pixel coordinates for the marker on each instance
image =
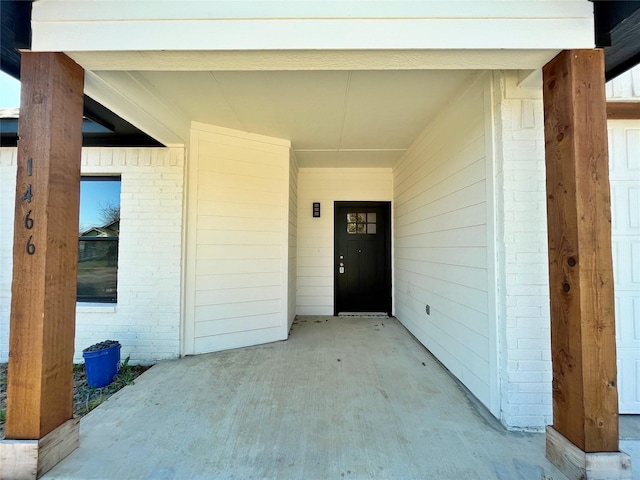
(362, 228)
(371, 228)
(371, 217)
(99, 206)
(351, 228)
(98, 243)
(98, 270)
(352, 217)
(362, 217)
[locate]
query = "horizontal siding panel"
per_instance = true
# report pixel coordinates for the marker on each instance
(467, 366)
(239, 252)
(470, 175)
(472, 257)
(242, 196)
(237, 266)
(449, 307)
(475, 236)
(214, 166)
(437, 156)
(236, 280)
(433, 285)
(460, 199)
(307, 282)
(212, 180)
(238, 224)
(232, 325)
(316, 301)
(316, 252)
(236, 295)
(474, 215)
(255, 147)
(236, 310)
(225, 237)
(476, 278)
(239, 210)
(309, 291)
(240, 151)
(303, 271)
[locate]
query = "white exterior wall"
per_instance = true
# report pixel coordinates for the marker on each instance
(194, 25)
(443, 241)
(625, 86)
(237, 275)
(146, 318)
(8, 167)
(315, 235)
(293, 240)
(523, 278)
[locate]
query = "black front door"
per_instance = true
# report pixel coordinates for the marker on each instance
(362, 257)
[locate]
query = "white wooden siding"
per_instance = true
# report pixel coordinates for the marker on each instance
(442, 254)
(293, 240)
(238, 223)
(315, 235)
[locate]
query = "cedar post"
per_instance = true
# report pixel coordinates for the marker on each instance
(40, 429)
(583, 344)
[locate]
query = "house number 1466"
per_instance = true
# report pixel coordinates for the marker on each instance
(28, 221)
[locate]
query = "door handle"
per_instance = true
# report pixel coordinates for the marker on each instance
(341, 268)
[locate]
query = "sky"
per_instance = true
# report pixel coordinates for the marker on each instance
(9, 91)
(95, 195)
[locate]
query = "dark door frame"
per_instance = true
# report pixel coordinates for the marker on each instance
(387, 233)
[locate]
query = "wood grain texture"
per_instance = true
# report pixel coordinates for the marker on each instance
(18, 459)
(42, 328)
(56, 445)
(585, 400)
(623, 110)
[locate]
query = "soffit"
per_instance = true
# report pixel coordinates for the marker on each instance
(332, 118)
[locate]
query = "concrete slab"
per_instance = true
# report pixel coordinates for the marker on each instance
(343, 398)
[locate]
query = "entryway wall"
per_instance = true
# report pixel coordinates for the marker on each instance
(444, 241)
(315, 235)
(238, 228)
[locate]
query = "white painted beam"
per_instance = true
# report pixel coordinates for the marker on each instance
(313, 60)
(130, 97)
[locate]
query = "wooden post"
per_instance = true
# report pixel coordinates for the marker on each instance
(43, 301)
(583, 344)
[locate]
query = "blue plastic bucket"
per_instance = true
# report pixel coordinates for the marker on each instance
(102, 366)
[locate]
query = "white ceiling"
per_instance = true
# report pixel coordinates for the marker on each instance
(332, 118)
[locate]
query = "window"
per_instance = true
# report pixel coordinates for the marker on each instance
(98, 239)
(361, 223)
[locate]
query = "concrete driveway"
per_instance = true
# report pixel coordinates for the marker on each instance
(343, 398)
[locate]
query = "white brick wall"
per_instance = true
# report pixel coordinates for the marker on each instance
(146, 319)
(523, 292)
(7, 206)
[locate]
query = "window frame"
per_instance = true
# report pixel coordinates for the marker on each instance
(105, 299)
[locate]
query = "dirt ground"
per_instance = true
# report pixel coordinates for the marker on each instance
(85, 398)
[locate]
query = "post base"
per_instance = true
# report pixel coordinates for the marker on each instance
(578, 465)
(30, 459)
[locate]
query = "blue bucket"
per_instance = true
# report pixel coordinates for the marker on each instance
(102, 366)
